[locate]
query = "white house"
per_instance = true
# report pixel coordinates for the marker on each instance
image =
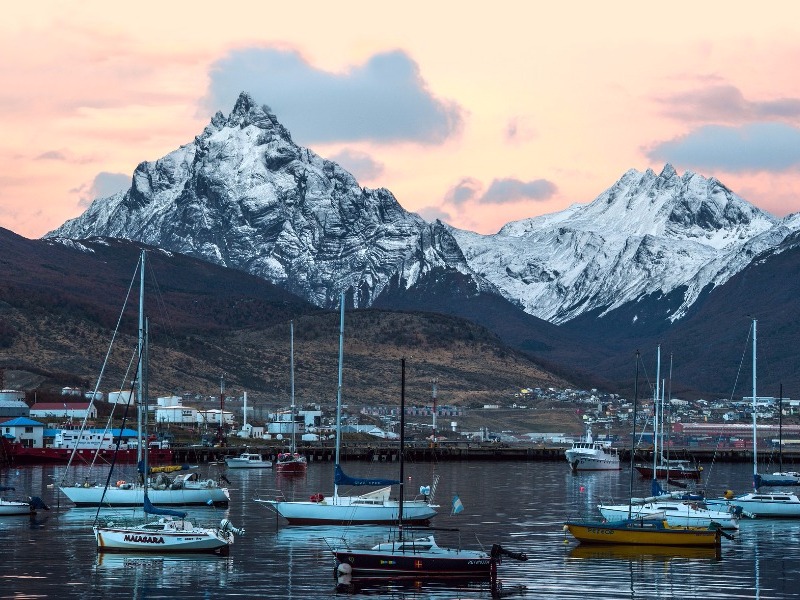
(64, 410)
(210, 417)
(28, 432)
(176, 414)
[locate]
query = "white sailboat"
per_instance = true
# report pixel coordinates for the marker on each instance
(371, 508)
(171, 533)
(181, 490)
(755, 503)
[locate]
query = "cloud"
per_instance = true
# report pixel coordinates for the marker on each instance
(104, 185)
(754, 147)
(52, 155)
(360, 164)
(383, 100)
(520, 129)
(726, 103)
(502, 191)
(431, 213)
(465, 190)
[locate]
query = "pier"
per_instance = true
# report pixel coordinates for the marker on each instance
(450, 452)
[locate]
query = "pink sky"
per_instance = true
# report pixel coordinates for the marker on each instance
(478, 115)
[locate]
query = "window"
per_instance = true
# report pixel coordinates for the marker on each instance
(29, 430)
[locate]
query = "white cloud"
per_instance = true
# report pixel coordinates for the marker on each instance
(383, 100)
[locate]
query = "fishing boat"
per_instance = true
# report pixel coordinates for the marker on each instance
(409, 557)
(757, 503)
(248, 460)
(644, 530)
(591, 455)
(170, 532)
(292, 461)
(16, 507)
(373, 507)
(181, 490)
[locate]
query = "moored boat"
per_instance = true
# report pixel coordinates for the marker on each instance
(248, 460)
(643, 532)
(589, 454)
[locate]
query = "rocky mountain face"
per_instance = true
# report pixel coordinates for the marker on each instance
(243, 195)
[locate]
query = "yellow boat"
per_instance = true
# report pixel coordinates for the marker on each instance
(643, 553)
(643, 532)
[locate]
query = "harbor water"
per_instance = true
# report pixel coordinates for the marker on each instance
(521, 505)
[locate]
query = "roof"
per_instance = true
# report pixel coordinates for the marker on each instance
(60, 406)
(21, 422)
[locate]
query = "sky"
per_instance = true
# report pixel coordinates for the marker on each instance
(477, 115)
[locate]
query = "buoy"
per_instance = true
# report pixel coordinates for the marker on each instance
(583, 488)
(344, 569)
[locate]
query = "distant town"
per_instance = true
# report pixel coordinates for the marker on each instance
(203, 419)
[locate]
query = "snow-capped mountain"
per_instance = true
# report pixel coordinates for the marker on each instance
(243, 195)
(646, 234)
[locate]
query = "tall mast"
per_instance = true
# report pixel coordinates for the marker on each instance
(402, 445)
(656, 421)
(633, 434)
(140, 350)
(755, 442)
(291, 364)
(339, 389)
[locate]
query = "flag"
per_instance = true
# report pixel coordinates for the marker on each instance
(457, 506)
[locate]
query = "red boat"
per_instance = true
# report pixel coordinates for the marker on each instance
(671, 469)
(291, 462)
(17, 455)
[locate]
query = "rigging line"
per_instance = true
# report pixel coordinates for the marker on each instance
(102, 371)
(116, 449)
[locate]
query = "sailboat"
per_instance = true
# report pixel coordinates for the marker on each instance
(374, 507)
(182, 489)
(756, 503)
(780, 478)
(171, 533)
(292, 461)
(415, 558)
(18, 507)
(642, 530)
(663, 466)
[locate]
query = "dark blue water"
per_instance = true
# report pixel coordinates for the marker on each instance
(520, 505)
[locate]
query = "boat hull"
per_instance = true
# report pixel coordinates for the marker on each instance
(664, 473)
(121, 539)
(19, 455)
(583, 462)
(116, 496)
(642, 533)
(9, 508)
(342, 511)
(776, 506)
(676, 514)
(235, 463)
(379, 565)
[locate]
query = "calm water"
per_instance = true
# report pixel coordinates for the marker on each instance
(521, 505)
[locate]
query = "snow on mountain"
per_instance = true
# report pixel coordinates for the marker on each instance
(243, 195)
(647, 233)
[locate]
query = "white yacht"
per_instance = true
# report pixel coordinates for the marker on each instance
(589, 455)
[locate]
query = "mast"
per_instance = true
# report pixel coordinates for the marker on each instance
(433, 439)
(140, 350)
(291, 364)
(402, 446)
(143, 386)
(633, 434)
(339, 390)
(780, 430)
(656, 421)
(755, 442)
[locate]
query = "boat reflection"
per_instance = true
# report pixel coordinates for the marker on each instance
(317, 535)
(643, 553)
(184, 562)
(427, 587)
